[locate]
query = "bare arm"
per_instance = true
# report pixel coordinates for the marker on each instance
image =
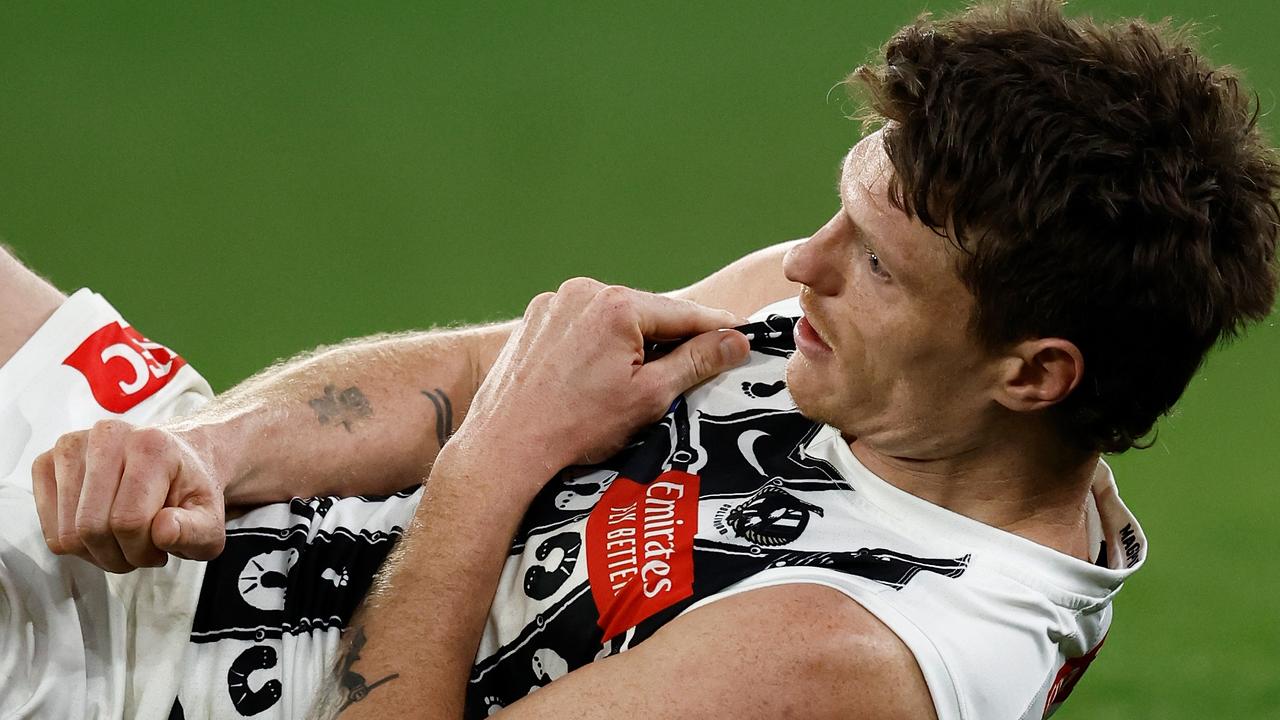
(364, 417)
(746, 284)
(369, 416)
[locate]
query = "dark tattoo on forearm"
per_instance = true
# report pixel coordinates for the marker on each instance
(351, 685)
(341, 408)
(444, 414)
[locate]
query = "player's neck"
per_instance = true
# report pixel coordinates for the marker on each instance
(1030, 486)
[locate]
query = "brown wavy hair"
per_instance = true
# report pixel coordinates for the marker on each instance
(1105, 185)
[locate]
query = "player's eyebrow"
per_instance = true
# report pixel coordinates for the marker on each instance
(870, 238)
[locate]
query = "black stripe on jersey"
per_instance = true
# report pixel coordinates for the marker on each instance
(263, 584)
(798, 485)
(270, 632)
(888, 567)
(289, 533)
(775, 335)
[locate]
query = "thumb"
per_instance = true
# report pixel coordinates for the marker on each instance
(700, 358)
(192, 532)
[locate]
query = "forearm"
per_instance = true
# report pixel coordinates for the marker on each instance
(410, 648)
(365, 417)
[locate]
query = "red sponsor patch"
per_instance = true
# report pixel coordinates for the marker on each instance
(640, 548)
(1068, 675)
(122, 367)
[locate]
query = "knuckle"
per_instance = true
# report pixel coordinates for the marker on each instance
(147, 442)
(69, 446)
(579, 286)
(700, 365)
(614, 301)
(104, 435)
(90, 529)
(107, 427)
(127, 522)
(615, 294)
(69, 542)
(42, 466)
(539, 301)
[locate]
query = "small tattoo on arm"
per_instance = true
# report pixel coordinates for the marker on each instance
(353, 683)
(444, 414)
(341, 408)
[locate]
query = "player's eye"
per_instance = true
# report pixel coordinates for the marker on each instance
(873, 262)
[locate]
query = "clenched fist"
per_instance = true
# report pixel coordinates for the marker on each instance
(124, 497)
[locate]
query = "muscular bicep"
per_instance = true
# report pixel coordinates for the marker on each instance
(746, 284)
(785, 651)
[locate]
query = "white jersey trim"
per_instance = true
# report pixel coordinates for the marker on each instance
(1067, 581)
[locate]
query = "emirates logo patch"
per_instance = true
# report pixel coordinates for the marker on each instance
(640, 548)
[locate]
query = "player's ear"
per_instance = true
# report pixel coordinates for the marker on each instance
(1037, 373)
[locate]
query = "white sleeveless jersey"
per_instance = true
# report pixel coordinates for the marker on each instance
(734, 490)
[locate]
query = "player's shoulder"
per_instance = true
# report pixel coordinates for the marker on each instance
(793, 650)
(746, 284)
(829, 656)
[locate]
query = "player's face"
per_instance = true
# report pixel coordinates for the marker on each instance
(884, 352)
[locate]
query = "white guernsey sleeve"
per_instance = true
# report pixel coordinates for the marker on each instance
(79, 642)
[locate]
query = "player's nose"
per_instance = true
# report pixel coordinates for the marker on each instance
(815, 262)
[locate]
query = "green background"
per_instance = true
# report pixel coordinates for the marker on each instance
(245, 181)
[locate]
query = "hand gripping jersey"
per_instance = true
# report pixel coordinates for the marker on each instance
(733, 490)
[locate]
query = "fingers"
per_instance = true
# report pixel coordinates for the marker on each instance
(68, 468)
(103, 460)
(99, 493)
(195, 531)
(658, 316)
(144, 484)
(44, 486)
(696, 360)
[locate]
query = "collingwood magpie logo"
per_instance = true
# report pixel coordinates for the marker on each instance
(770, 517)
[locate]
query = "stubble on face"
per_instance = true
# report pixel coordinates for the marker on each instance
(900, 346)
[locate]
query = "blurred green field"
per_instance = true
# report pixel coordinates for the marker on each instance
(245, 181)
